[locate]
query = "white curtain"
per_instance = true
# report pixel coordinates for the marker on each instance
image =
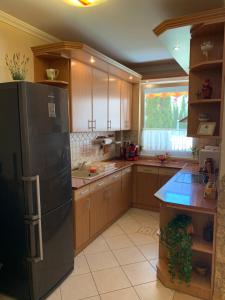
(175, 142)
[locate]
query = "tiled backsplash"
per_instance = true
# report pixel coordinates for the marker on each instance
(83, 149)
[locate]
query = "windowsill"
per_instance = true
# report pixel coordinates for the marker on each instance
(175, 157)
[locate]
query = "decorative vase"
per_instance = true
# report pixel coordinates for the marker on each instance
(18, 76)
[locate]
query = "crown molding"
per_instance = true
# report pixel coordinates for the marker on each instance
(207, 16)
(10, 20)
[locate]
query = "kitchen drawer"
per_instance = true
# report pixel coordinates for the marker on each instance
(115, 177)
(101, 183)
(149, 170)
(168, 171)
(127, 170)
(82, 192)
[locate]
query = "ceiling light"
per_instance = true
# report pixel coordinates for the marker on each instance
(130, 77)
(84, 3)
(176, 48)
(92, 60)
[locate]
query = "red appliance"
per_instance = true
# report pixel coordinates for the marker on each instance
(129, 151)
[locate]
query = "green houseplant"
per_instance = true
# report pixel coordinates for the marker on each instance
(176, 236)
(17, 65)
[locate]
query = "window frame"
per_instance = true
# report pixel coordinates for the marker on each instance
(164, 82)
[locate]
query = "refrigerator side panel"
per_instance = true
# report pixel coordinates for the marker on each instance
(14, 279)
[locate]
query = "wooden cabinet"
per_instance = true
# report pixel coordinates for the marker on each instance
(148, 180)
(126, 105)
(99, 206)
(165, 174)
(114, 103)
(81, 219)
(206, 66)
(146, 186)
(115, 196)
(100, 100)
(81, 97)
(126, 188)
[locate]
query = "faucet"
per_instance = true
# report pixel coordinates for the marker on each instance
(81, 165)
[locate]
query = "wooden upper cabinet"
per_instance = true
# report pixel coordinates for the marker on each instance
(81, 97)
(114, 103)
(100, 100)
(126, 105)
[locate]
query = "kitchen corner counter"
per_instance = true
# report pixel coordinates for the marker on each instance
(182, 194)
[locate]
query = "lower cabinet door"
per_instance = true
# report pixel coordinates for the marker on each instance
(115, 197)
(98, 208)
(126, 188)
(146, 186)
(82, 225)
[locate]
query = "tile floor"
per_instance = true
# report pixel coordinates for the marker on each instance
(120, 264)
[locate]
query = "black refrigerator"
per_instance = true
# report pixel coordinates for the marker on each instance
(36, 216)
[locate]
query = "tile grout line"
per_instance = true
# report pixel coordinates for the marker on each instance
(91, 275)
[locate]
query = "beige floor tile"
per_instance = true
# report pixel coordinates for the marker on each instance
(56, 295)
(125, 294)
(97, 246)
(80, 265)
(110, 280)
(119, 242)
(130, 226)
(113, 230)
(180, 296)
(140, 273)
(78, 287)
(150, 251)
(154, 263)
(124, 219)
(154, 290)
(128, 255)
(100, 261)
(140, 239)
(93, 298)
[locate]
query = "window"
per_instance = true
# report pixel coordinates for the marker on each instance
(165, 105)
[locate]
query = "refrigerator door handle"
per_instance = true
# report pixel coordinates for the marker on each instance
(37, 181)
(40, 255)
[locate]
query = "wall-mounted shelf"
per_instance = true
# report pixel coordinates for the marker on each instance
(202, 246)
(60, 83)
(205, 65)
(202, 101)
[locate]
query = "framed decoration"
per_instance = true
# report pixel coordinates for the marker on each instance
(206, 128)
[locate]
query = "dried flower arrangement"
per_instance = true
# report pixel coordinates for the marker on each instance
(17, 65)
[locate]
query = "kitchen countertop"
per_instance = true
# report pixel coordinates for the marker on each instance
(180, 192)
(116, 165)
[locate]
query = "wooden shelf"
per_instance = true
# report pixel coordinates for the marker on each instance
(202, 246)
(204, 136)
(202, 101)
(199, 286)
(205, 65)
(59, 83)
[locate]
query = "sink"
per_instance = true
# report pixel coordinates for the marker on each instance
(84, 174)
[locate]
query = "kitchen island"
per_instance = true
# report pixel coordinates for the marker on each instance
(184, 194)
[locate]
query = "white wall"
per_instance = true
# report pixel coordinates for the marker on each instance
(17, 36)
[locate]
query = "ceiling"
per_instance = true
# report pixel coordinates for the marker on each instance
(121, 29)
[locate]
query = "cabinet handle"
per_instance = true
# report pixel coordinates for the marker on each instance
(94, 126)
(83, 192)
(116, 176)
(90, 126)
(109, 124)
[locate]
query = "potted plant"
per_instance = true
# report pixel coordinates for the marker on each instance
(17, 65)
(176, 236)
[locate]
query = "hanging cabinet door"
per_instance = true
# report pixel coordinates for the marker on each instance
(100, 100)
(114, 103)
(126, 104)
(81, 97)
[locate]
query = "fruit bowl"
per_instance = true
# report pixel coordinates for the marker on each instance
(162, 157)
